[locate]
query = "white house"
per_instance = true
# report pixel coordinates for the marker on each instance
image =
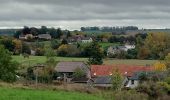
(86, 40)
(117, 49)
(127, 47)
(133, 81)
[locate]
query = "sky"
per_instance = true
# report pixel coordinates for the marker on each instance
(73, 14)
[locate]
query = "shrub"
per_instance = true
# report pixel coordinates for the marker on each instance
(130, 95)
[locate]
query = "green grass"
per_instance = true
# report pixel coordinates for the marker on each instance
(106, 45)
(29, 94)
(41, 59)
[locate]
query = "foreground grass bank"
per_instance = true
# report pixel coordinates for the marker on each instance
(29, 94)
(41, 59)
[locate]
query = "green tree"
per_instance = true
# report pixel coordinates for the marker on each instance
(68, 34)
(26, 48)
(78, 73)
(8, 44)
(64, 41)
(59, 33)
(167, 60)
(96, 53)
(116, 80)
(7, 66)
(54, 44)
(50, 62)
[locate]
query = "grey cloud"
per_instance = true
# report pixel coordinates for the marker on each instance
(84, 12)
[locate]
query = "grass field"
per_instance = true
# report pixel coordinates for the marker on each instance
(29, 94)
(106, 45)
(41, 59)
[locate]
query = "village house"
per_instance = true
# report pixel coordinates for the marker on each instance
(67, 69)
(44, 36)
(26, 37)
(86, 40)
(130, 74)
(116, 49)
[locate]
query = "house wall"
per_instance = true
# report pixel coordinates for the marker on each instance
(86, 41)
(130, 85)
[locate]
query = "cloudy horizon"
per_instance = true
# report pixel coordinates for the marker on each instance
(73, 14)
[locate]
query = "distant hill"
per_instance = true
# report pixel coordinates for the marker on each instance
(8, 31)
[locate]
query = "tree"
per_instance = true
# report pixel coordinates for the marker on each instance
(159, 66)
(17, 33)
(96, 53)
(68, 34)
(158, 44)
(50, 62)
(116, 80)
(68, 50)
(167, 60)
(54, 44)
(78, 73)
(7, 66)
(59, 33)
(64, 41)
(26, 48)
(8, 44)
(143, 53)
(18, 46)
(43, 30)
(34, 31)
(26, 30)
(49, 52)
(53, 33)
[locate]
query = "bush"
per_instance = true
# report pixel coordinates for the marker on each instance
(167, 80)
(130, 95)
(153, 90)
(7, 66)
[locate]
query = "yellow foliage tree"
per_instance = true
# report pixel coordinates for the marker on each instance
(18, 45)
(159, 66)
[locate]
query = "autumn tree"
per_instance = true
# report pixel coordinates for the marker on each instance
(159, 66)
(68, 50)
(157, 44)
(18, 46)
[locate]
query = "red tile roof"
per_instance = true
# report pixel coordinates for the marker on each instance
(127, 70)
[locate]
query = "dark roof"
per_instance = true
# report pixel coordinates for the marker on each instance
(136, 75)
(69, 66)
(80, 80)
(103, 80)
(44, 36)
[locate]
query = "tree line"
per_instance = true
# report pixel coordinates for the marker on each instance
(109, 29)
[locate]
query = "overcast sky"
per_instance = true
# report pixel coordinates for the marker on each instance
(72, 14)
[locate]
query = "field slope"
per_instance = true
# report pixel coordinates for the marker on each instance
(28, 94)
(32, 60)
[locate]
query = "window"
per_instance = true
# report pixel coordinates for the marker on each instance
(132, 81)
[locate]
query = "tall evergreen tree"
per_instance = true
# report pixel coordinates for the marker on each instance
(96, 53)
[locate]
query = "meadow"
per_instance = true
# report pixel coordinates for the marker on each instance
(32, 94)
(32, 60)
